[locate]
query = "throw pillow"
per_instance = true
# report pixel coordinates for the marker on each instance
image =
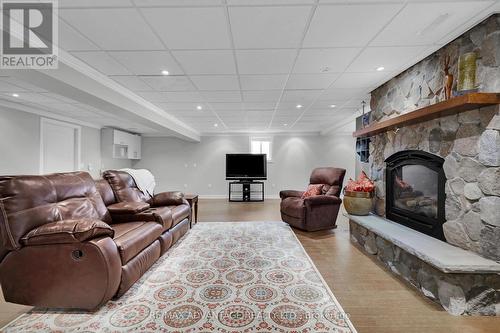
(312, 190)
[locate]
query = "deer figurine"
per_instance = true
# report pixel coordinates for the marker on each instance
(448, 77)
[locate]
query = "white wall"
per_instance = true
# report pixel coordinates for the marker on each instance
(341, 149)
(20, 144)
(200, 167)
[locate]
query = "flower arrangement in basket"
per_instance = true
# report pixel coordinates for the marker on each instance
(358, 195)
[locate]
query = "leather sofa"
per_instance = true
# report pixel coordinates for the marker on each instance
(61, 247)
(316, 212)
(169, 209)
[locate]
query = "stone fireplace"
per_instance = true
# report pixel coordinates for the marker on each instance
(468, 142)
(415, 188)
(439, 178)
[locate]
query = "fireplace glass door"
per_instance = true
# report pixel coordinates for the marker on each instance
(415, 191)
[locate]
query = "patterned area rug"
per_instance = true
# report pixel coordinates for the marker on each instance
(222, 277)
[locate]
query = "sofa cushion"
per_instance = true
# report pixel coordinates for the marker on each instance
(68, 231)
(293, 206)
(132, 237)
(179, 213)
(312, 190)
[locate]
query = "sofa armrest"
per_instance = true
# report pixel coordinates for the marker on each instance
(317, 200)
(128, 208)
(290, 193)
(67, 231)
(168, 199)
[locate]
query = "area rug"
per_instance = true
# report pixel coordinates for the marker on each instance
(222, 277)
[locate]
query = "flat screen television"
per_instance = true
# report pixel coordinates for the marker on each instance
(246, 166)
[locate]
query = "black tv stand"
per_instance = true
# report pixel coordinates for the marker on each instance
(246, 193)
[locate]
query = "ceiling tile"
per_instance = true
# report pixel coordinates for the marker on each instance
(37, 98)
(102, 62)
(361, 80)
(334, 93)
(261, 96)
(263, 82)
(160, 3)
(206, 62)
(187, 106)
(326, 104)
(72, 40)
(222, 96)
(94, 3)
(427, 22)
(216, 82)
(310, 81)
(169, 83)
(7, 87)
(261, 27)
(22, 84)
(183, 96)
(265, 61)
(154, 96)
(300, 95)
(268, 2)
(219, 107)
(250, 106)
(133, 83)
(147, 62)
(348, 25)
(190, 28)
(391, 58)
(321, 60)
(106, 28)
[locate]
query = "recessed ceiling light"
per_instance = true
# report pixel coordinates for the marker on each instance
(15, 95)
(164, 72)
(299, 106)
(285, 125)
(199, 107)
(216, 125)
(379, 69)
(332, 106)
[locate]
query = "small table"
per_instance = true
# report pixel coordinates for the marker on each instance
(193, 202)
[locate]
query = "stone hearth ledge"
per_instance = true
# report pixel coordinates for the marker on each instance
(443, 256)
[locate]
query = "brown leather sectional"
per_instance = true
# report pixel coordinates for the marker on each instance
(67, 243)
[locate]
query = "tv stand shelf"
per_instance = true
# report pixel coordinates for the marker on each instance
(246, 191)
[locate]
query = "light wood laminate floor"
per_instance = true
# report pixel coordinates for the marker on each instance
(376, 301)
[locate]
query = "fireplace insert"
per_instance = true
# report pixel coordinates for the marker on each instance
(415, 194)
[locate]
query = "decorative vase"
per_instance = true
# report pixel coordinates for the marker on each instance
(448, 78)
(358, 203)
(467, 71)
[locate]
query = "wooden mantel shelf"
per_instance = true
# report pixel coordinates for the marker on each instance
(441, 109)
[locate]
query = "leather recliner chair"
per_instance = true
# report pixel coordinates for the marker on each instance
(60, 247)
(316, 212)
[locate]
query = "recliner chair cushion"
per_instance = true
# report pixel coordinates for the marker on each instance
(293, 206)
(132, 237)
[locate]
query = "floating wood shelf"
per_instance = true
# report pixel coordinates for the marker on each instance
(441, 109)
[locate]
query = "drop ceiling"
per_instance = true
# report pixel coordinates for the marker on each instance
(243, 65)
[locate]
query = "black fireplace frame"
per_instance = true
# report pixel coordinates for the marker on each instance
(430, 226)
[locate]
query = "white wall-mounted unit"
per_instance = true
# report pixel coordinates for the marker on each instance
(120, 144)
